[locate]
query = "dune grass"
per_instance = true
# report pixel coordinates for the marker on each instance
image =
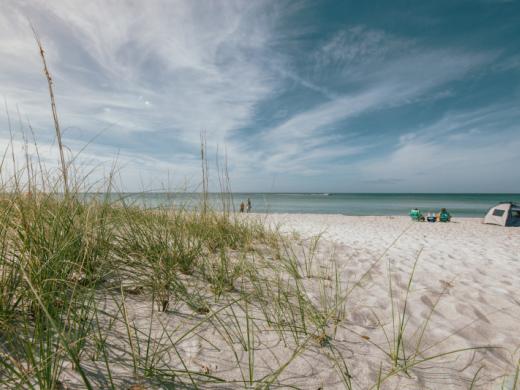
(73, 272)
(104, 294)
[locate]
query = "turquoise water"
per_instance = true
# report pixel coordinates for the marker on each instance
(459, 205)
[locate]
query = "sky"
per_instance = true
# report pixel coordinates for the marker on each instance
(294, 96)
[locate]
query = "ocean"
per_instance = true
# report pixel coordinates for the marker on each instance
(459, 205)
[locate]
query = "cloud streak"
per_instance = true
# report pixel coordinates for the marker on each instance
(144, 81)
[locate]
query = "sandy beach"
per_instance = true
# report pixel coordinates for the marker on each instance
(231, 195)
(471, 269)
(463, 297)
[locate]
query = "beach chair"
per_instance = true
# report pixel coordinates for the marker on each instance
(444, 217)
(416, 215)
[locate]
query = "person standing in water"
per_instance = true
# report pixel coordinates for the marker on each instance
(242, 207)
(248, 205)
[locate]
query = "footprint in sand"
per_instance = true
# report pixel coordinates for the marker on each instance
(481, 299)
(427, 301)
(364, 318)
(463, 310)
(481, 316)
(191, 348)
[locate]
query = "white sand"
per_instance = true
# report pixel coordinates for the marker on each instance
(472, 270)
(477, 267)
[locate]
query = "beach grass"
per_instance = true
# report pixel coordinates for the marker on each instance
(104, 294)
(74, 274)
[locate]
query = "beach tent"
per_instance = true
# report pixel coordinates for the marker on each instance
(503, 214)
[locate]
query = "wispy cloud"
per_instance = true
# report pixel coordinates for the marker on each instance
(147, 79)
(461, 152)
(170, 71)
(387, 83)
(359, 45)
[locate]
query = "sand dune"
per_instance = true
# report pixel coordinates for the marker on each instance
(464, 294)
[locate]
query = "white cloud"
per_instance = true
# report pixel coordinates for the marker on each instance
(359, 44)
(183, 66)
(460, 152)
(153, 76)
(447, 167)
(387, 83)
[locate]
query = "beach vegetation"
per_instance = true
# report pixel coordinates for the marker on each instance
(102, 293)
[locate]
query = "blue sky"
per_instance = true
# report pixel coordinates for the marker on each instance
(328, 96)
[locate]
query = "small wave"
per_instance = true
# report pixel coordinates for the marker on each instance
(316, 194)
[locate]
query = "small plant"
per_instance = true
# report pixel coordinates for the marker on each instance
(221, 273)
(322, 339)
(407, 352)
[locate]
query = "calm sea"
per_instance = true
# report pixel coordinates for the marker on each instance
(459, 205)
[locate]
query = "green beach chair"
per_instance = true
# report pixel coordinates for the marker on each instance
(444, 216)
(416, 215)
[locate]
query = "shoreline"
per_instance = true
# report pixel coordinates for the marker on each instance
(462, 205)
(454, 219)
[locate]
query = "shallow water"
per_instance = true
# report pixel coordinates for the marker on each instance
(461, 205)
